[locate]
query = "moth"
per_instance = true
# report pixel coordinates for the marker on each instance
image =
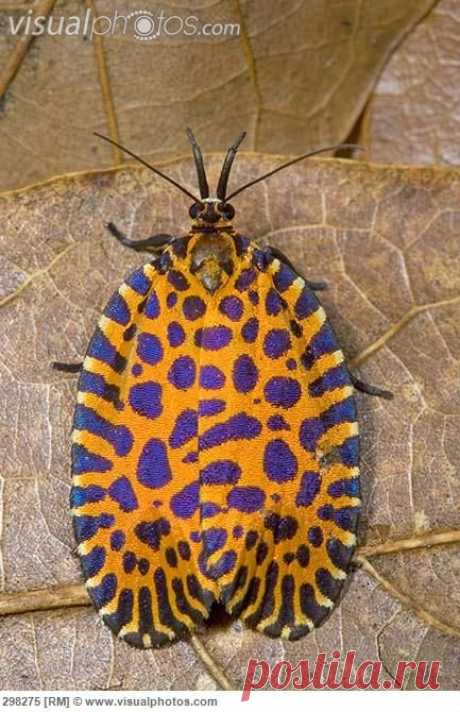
(215, 446)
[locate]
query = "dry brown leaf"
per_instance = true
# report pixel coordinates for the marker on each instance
(413, 116)
(386, 240)
(297, 76)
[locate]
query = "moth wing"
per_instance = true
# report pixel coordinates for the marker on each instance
(135, 494)
(279, 466)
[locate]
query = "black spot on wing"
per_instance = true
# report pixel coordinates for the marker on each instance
(248, 599)
(183, 604)
(267, 604)
(339, 554)
(199, 593)
(286, 609)
(167, 617)
(309, 605)
(236, 585)
(124, 612)
(327, 584)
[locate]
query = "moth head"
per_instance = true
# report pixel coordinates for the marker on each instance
(211, 211)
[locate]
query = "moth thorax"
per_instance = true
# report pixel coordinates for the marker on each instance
(212, 260)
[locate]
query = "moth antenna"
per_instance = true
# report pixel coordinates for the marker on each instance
(199, 164)
(291, 163)
(147, 165)
(227, 166)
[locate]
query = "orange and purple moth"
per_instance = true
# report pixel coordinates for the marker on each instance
(215, 446)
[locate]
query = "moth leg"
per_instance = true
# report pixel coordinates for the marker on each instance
(153, 242)
(370, 390)
(314, 286)
(67, 367)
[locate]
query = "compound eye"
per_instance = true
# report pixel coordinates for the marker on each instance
(227, 210)
(195, 210)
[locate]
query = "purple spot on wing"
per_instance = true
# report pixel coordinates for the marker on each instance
(179, 246)
(349, 452)
(185, 428)
(185, 503)
(277, 422)
(178, 280)
(182, 373)
(122, 492)
(253, 297)
(222, 567)
(80, 496)
(153, 467)
(277, 342)
(104, 592)
(334, 378)
(171, 299)
(211, 377)
(347, 487)
(212, 406)
(245, 279)
(137, 369)
(193, 308)
(309, 488)
(284, 278)
(145, 399)
(241, 244)
(280, 463)
(261, 259)
(346, 517)
(282, 392)
(250, 330)
(214, 539)
(326, 512)
(311, 430)
(246, 499)
(117, 310)
(232, 307)
(176, 334)
(291, 364)
(149, 348)
(85, 461)
(221, 472)
(139, 282)
(119, 436)
(117, 540)
(245, 374)
(322, 342)
(213, 338)
(151, 533)
(208, 510)
(315, 536)
(190, 457)
(87, 526)
(238, 427)
(101, 347)
(274, 303)
(282, 528)
(306, 304)
(152, 308)
(163, 262)
(238, 531)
